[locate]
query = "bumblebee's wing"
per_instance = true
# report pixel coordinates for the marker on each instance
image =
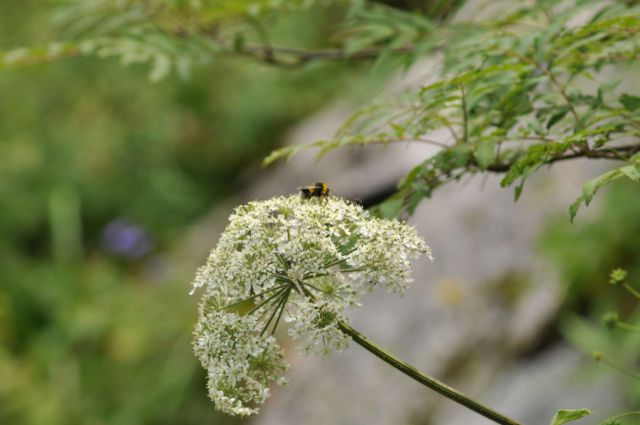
(307, 190)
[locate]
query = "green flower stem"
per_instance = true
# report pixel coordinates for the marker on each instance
(618, 368)
(268, 300)
(627, 327)
(282, 307)
(632, 290)
(425, 380)
(236, 304)
(280, 303)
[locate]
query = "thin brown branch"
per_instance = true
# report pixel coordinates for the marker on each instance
(29, 60)
(267, 50)
(295, 57)
(561, 88)
(402, 140)
(620, 153)
(289, 57)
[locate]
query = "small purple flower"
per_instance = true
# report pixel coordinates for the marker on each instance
(126, 239)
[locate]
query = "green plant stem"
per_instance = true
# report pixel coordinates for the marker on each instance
(633, 291)
(622, 415)
(627, 327)
(425, 380)
(619, 368)
(465, 115)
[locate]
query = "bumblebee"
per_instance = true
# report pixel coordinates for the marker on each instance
(317, 190)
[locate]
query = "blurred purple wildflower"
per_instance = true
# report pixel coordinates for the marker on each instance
(126, 239)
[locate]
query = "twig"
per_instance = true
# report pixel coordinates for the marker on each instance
(612, 418)
(303, 56)
(465, 115)
(402, 140)
(608, 153)
(554, 80)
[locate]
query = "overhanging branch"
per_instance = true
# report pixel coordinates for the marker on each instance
(620, 153)
(295, 57)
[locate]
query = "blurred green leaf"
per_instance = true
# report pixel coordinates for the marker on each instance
(557, 117)
(631, 103)
(485, 153)
(563, 416)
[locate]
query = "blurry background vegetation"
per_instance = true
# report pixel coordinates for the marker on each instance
(102, 171)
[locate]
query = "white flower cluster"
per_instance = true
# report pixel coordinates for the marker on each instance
(239, 363)
(319, 327)
(306, 261)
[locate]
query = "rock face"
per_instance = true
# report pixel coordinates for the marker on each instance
(474, 318)
(470, 316)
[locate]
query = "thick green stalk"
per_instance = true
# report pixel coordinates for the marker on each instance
(425, 380)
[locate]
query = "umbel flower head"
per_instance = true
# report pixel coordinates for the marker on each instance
(302, 262)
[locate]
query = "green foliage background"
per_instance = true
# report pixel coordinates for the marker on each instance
(89, 336)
